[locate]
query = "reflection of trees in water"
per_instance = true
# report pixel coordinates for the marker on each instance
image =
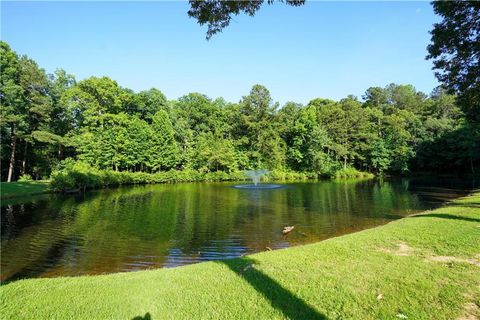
(139, 227)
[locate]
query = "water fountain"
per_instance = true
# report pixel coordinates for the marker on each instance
(256, 175)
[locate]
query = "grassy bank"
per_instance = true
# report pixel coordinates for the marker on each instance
(19, 189)
(421, 267)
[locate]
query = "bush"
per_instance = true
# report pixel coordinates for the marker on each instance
(277, 175)
(25, 178)
(350, 172)
(73, 175)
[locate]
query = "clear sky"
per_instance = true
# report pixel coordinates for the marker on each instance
(321, 49)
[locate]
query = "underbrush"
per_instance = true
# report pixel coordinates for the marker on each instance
(77, 175)
(350, 172)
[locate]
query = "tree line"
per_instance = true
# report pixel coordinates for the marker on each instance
(46, 118)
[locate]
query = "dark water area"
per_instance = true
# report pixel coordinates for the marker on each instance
(168, 225)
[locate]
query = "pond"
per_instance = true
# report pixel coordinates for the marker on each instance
(154, 226)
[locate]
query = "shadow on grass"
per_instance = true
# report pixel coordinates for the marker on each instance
(280, 298)
(147, 316)
(446, 216)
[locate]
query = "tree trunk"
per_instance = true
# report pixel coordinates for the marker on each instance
(345, 163)
(24, 162)
(12, 156)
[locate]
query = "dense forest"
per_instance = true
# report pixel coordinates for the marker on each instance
(47, 118)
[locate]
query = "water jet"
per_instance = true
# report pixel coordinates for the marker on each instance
(256, 176)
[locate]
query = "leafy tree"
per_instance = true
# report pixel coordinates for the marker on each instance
(347, 126)
(89, 99)
(122, 142)
(399, 139)
(258, 130)
(60, 82)
(454, 49)
(449, 148)
(309, 144)
(163, 150)
(217, 14)
(396, 129)
(443, 105)
(214, 152)
(376, 97)
(13, 118)
(200, 112)
(149, 102)
(380, 156)
(395, 96)
(405, 97)
(26, 105)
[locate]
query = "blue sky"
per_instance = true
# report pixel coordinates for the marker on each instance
(322, 49)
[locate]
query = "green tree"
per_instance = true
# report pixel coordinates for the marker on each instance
(399, 138)
(149, 102)
(89, 99)
(13, 111)
(258, 130)
(376, 97)
(347, 124)
(454, 49)
(217, 14)
(214, 152)
(26, 104)
(443, 105)
(307, 142)
(163, 150)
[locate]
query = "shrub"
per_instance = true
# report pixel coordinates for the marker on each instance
(25, 178)
(72, 175)
(350, 172)
(277, 175)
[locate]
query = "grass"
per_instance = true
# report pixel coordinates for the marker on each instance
(19, 189)
(422, 267)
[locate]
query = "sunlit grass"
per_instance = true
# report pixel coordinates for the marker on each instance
(422, 267)
(18, 189)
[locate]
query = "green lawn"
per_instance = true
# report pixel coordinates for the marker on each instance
(421, 267)
(19, 189)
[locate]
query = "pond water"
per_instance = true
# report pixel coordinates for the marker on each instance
(143, 227)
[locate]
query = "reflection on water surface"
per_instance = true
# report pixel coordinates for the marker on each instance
(136, 228)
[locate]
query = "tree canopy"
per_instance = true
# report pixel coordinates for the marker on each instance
(455, 50)
(217, 14)
(47, 118)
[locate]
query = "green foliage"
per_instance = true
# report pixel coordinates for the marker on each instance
(349, 172)
(278, 175)
(25, 178)
(258, 132)
(26, 106)
(73, 175)
(217, 14)
(148, 103)
(454, 49)
(395, 130)
(162, 150)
